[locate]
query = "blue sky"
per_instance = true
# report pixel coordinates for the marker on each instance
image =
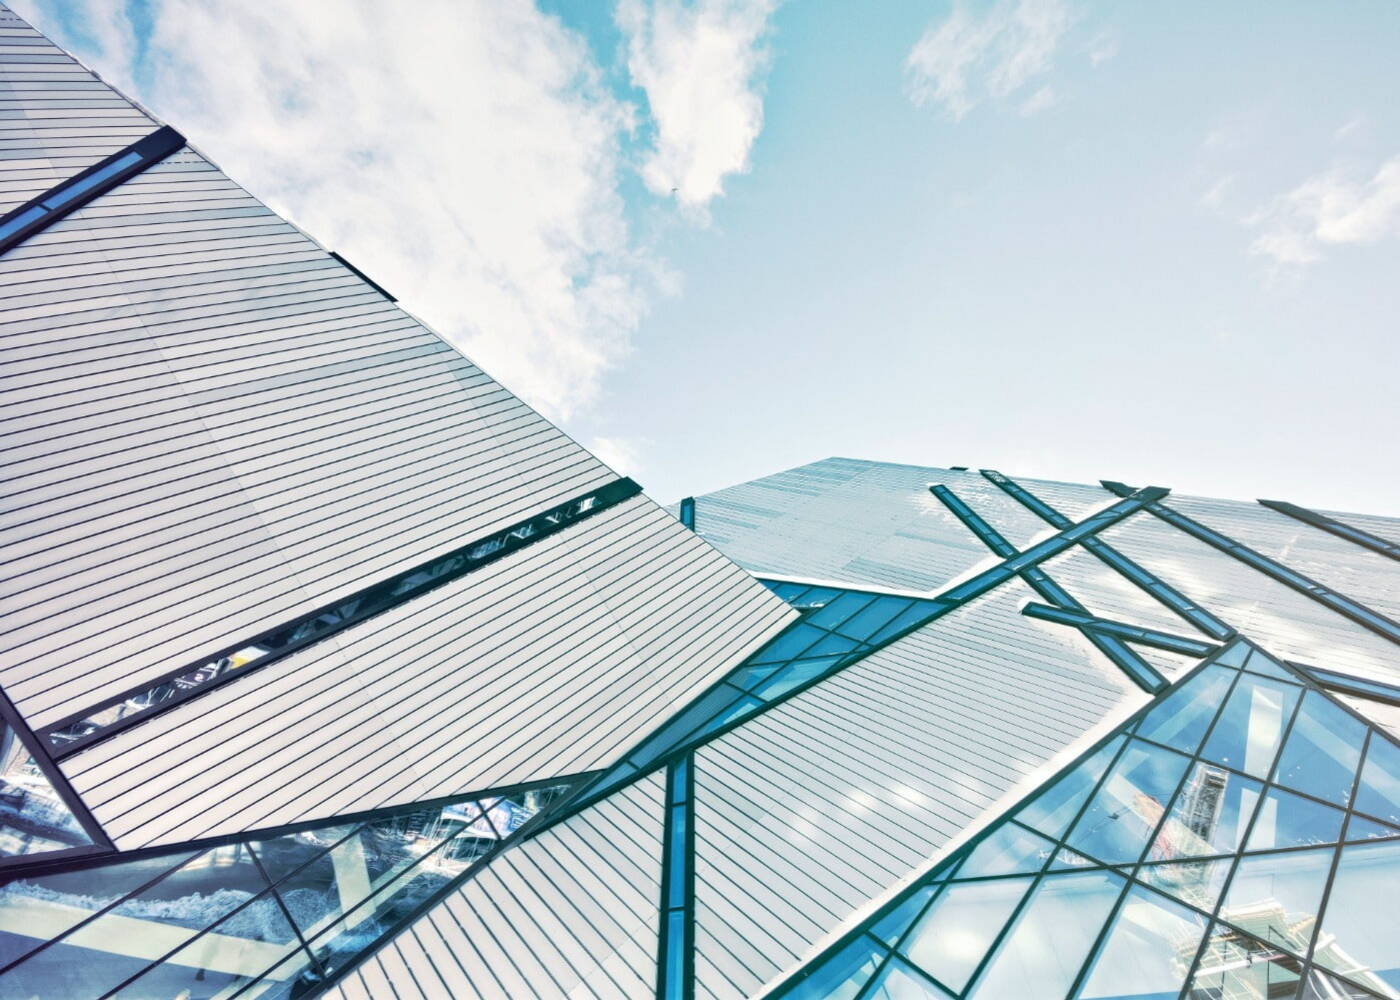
(1148, 242)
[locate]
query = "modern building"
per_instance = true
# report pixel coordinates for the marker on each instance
(329, 668)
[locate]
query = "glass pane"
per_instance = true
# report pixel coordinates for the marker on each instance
(1276, 896)
(1323, 750)
(1067, 860)
(791, 643)
(1234, 965)
(1321, 986)
(1052, 811)
(1247, 734)
(1361, 930)
(839, 610)
(1361, 828)
(33, 818)
(1180, 720)
(1044, 951)
(1262, 664)
(890, 928)
(899, 982)
(794, 675)
(1148, 951)
(1197, 882)
(1288, 820)
(678, 854)
(1379, 789)
(956, 932)
(1129, 804)
(918, 612)
(879, 613)
(1209, 816)
(1234, 655)
(841, 976)
(1009, 850)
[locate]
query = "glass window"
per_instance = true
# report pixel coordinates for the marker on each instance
(790, 644)
(1196, 882)
(1053, 935)
(1129, 804)
(91, 181)
(841, 976)
(1277, 895)
(20, 221)
(1261, 664)
(1009, 850)
(34, 818)
(1148, 950)
(1247, 734)
(677, 857)
(1180, 720)
(1234, 965)
(1323, 750)
(1209, 816)
(1052, 811)
(1288, 820)
(898, 981)
(954, 935)
(1361, 828)
(1379, 790)
(890, 928)
(839, 610)
(874, 616)
(1360, 935)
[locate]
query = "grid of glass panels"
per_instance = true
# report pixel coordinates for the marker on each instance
(34, 819)
(1239, 838)
(267, 919)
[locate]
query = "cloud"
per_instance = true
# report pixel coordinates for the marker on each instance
(699, 67)
(622, 455)
(966, 59)
(1101, 48)
(467, 157)
(1330, 209)
(1043, 98)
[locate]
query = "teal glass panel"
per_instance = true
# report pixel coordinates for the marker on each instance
(1181, 719)
(1276, 896)
(1195, 882)
(790, 644)
(1129, 804)
(1209, 815)
(1260, 663)
(794, 675)
(674, 988)
(1234, 655)
(1147, 953)
(1288, 820)
(897, 981)
(1052, 811)
(920, 611)
(874, 616)
(1323, 750)
(1360, 935)
(891, 927)
(1041, 956)
(1379, 790)
(841, 976)
(954, 935)
(1009, 850)
(838, 611)
(1247, 734)
(1235, 966)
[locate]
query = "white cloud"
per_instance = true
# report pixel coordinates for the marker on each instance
(1330, 209)
(1101, 48)
(462, 152)
(1043, 98)
(966, 59)
(622, 455)
(699, 66)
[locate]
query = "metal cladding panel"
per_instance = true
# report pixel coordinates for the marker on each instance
(807, 813)
(861, 523)
(1366, 577)
(205, 444)
(570, 914)
(1387, 528)
(1075, 501)
(56, 117)
(549, 662)
(1282, 620)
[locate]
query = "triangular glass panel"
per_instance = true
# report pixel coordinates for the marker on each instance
(1195, 882)
(1052, 811)
(790, 645)
(838, 610)
(1209, 816)
(874, 616)
(1277, 896)
(1247, 733)
(832, 645)
(899, 981)
(1128, 806)
(1323, 750)
(1288, 820)
(1359, 828)
(34, 819)
(1235, 965)
(955, 933)
(1008, 850)
(1181, 719)
(843, 975)
(1360, 935)
(1234, 655)
(1068, 861)
(1378, 791)
(1259, 663)
(891, 927)
(906, 618)
(1321, 986)
(1142, 953)
(795, 674)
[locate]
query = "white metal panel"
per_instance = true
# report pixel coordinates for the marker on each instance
(570, 914)
(551, 661)
(822, 804)
(1109, 594)
(1387, 528)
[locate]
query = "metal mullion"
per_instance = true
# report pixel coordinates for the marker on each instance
(1337, 855)
(286, 913)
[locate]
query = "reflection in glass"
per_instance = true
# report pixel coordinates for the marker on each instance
(1288, 820)
(1052, 811)
(890, 928)
(1148, 950)
(1129, 804)
(1196, 882)
(841, 976)
(1360, 935)
(1378, 791)
(898, 981)
(1209, 816)
(1323, 750)
(1180, 720)
(1042, 954)
(1235, 966)
(1276, 896)
(1010, 850)
(33, 817)
(956, 932)
(1247, 734)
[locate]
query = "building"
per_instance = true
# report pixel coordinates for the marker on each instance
(332, 669)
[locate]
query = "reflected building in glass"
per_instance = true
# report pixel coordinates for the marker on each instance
(330, 669)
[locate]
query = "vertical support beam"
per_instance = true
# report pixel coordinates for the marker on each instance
(688, 512)
(675, 959)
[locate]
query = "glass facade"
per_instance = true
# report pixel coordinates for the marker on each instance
(34, 818)
(1234, 840)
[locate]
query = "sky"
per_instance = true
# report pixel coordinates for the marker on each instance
(714, 239)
